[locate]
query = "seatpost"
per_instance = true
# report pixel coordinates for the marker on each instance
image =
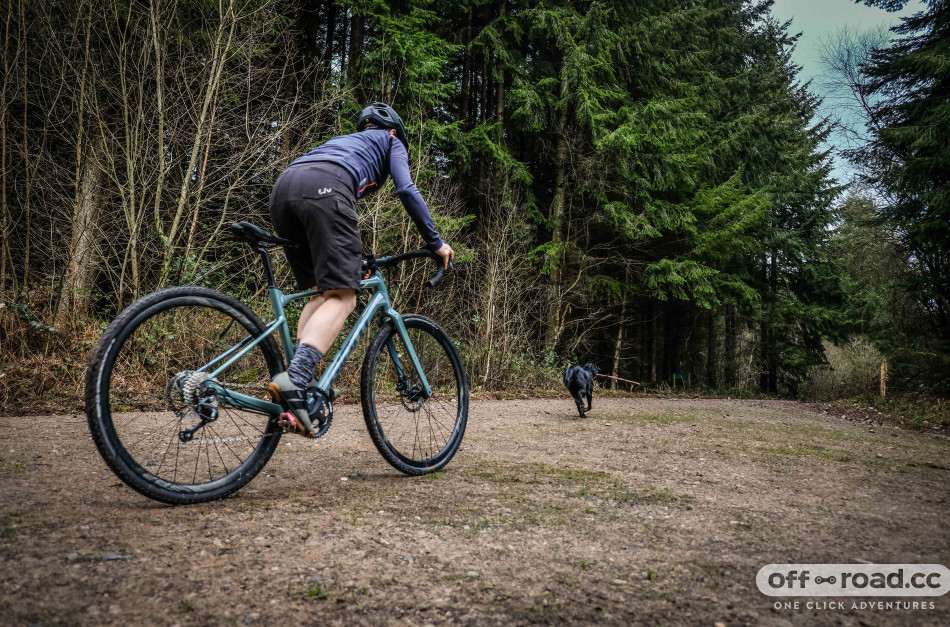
(268, 268)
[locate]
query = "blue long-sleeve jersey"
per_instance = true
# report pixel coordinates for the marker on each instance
(370, 156)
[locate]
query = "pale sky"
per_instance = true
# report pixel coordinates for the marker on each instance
(820, 20)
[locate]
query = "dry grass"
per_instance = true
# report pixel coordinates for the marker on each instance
(853, 371)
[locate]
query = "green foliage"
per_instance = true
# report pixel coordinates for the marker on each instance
(647, 167)
(685, 280)
(26, 315)
(876, 279)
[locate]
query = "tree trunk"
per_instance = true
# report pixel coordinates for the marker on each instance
(77, 283)
(355, 54)
(483, 117)
(764, 348)
(712, 350)
(307, 55)
(773, 358)
(618, 340)
(331, 33)
(652, 343)
(466, 70)
(344, 41)
(558, 218)
(483, 91)
(642, 345)
(74, 293)
(26, 158)
(159, 49)
(500, 91)
(668, 365)
(4, 211)
(730, 367)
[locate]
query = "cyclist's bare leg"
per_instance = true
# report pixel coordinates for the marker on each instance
(308, 310)
(321, 321)
(324, 322)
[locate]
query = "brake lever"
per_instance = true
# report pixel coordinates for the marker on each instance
(440, 273)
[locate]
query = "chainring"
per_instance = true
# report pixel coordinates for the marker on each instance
(324, 417)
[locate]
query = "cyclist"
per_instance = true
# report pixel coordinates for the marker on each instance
(313, 204)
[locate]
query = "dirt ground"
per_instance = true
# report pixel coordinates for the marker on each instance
(650, 511)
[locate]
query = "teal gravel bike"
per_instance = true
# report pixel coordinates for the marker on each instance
(176, 392)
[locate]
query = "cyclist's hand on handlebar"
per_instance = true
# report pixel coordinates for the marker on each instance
(446, 253)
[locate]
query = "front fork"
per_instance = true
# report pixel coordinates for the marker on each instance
(400, 326)
(411, 393)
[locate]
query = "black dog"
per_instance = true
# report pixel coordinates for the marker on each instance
(579, 380)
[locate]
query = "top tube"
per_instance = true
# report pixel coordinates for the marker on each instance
(374, 264)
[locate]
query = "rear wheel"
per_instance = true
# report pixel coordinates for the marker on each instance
(416, 434)
(145, 400)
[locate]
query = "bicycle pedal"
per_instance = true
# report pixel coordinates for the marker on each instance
(289, 423)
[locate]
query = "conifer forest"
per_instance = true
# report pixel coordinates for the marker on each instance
(646, 185)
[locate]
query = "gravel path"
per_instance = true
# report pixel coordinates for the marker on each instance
(650, 511)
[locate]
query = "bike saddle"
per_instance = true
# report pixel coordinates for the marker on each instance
(256, 236)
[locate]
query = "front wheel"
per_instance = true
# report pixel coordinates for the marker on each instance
(415, 433)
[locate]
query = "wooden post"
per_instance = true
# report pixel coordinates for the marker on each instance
(883, 379)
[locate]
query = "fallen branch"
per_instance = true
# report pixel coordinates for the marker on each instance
(607, 376)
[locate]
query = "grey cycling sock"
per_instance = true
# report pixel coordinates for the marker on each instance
(303, 365)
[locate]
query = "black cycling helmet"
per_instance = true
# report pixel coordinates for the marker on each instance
(383, 116)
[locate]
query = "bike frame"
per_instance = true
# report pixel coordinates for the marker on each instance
(378, 303)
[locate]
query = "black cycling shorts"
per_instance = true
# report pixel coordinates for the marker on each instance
(314, 205)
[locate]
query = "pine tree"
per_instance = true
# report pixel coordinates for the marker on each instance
(910, 153)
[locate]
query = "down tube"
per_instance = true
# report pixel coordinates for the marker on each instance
(377, 302)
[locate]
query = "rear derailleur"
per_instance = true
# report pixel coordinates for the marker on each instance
(189, 398)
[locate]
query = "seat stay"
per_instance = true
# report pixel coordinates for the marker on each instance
(225, 354)
(281, 320)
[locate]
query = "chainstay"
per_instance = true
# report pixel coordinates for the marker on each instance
(324, 427)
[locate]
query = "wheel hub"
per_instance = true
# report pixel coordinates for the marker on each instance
(412, 396)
